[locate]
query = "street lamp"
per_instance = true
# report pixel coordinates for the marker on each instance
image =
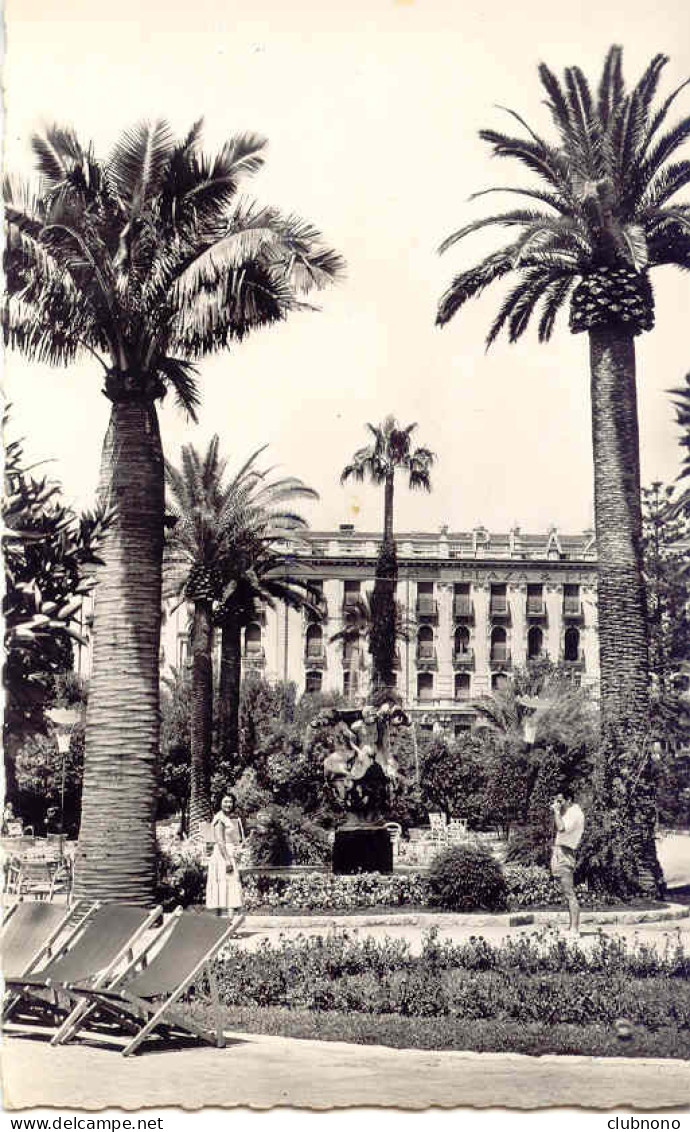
(64, 721)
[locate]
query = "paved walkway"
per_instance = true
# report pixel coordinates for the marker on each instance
(262, 1072)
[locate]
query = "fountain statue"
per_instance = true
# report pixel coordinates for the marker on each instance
(359, 771)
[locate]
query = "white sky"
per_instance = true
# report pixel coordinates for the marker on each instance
(371, 108)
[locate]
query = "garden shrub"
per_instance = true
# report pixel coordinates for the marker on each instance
(285, 836)
(466, 878)
(180, 872)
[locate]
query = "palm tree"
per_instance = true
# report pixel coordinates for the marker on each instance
(682, 406)
(258, 575)
(360, 624)
(146, 262)
(219, 558)
(391, 449)
(609, 217)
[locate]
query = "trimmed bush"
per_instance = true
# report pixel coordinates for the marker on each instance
(466, 878)
(284, 836)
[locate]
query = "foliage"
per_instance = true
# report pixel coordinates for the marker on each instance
(386, 626)
(524, 980)
(181, 868)
(608, 188)
(507, 789)
(263, 708)
(682, 406)
(390, 449)
(38, 769)
(175, 760)
(453, 775)
(466, 878)
(282, 835)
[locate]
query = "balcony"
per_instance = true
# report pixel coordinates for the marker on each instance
(499, 608)
(536, 609)
(426, 658)
(427, 608)
(463, 659)
(499, 661)
(463, 693)
(315, 659)
(256, 658)
(463, 609)
(572, 609)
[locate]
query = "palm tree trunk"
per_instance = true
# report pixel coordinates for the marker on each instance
(624, 779)
(388, 507)
(622, 612)
(202, 715)
(115, 857)
(229, 693)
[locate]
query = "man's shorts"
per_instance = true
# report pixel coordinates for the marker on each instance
(563, 867)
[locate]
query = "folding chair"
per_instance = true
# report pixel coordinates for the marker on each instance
(187, 945)
(92, 953)
(31, 928)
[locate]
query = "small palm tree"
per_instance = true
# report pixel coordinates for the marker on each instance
(146, 261)
(603, 216)
(361, 620)
(219, 558)
(391, 449)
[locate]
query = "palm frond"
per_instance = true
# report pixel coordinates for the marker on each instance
(555, 296)
(182, 376)
(470, 283)
(138, 162)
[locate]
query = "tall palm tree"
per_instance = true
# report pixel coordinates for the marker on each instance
(259, 574)
(607, 186)
(219, 558)
(146, 261)
(390, 450)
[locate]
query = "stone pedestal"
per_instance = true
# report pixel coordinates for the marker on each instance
(362, 850)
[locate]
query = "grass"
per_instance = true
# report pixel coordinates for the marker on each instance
(481, 1035)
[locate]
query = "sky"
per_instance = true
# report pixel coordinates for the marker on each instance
(372, 110)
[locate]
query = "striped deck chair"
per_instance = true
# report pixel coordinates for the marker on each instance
(92, 955)
(32, 928)
(146, 1001)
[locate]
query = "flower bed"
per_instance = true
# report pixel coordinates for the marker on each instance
(527, 980)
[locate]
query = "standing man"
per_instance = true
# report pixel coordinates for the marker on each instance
(570, 824)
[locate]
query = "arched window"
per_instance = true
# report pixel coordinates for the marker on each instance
(314, 682)
(425, 642)
(462, 641)
(499, 645)
(462, 685)
(535, 643)
(499, 680)
(425, 686)
(571, 643)
(252, 639)
(314, 640)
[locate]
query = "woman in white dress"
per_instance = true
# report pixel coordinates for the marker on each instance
(223, 887)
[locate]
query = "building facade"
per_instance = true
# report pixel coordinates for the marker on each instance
(477, 604)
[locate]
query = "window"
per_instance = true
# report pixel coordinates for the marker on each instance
(462, 727)
(351, 591)
(425, 598)
(425, 643)
(535, 599)
(425, 588)
(571, 642)
(462, 641)
(313, 682)
(499, 681)
(314, 641)
(350, 684)
(499, 600)
(462, 602)
(252, 639)
(462, 686)
(425, 686)
(535, 643)
(571, 600)
(499, 645)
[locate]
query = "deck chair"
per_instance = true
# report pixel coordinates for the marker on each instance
(31, 928)
(91, 955)
(185, 951)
